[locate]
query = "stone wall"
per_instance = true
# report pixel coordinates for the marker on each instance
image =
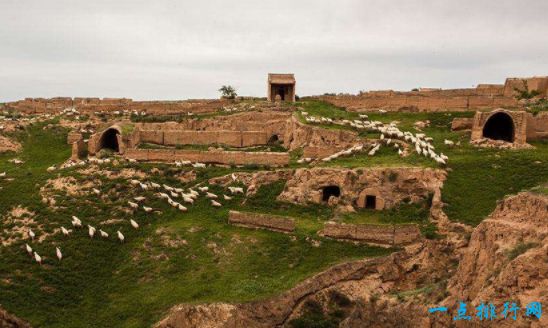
(481, 98)
(261, 221)
(216, 157)
(390, 186)
(391, 235)
(90, 105)
(189, 137)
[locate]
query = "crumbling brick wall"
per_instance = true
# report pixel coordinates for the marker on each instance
(218, 157)
(261, 221)
(390, 235)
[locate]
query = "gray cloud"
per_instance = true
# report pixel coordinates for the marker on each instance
(180, 49)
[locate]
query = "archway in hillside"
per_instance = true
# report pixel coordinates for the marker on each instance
(329, 191)
(371, 202)
(109, 140)
(273, 140)
(499, 126)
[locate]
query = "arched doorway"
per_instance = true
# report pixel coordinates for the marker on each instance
(273, 140)
(109, 140)
(329, 191)
(499, 126)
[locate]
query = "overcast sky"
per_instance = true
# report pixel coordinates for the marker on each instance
(163, 49)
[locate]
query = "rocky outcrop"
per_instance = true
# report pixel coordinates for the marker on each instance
(10, 321)
(358, 280)
(507, 258)
(389, 186)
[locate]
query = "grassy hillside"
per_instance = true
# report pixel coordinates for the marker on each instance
(174, 257)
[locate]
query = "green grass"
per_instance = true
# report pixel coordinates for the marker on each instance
(519, 249)
(101, 283)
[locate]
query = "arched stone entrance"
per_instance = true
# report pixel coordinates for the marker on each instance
(499, 126)
(370, 198)
(110, 140)
(330, 191)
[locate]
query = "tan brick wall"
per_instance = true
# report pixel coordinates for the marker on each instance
(220, 157)
(262, 221)
(372, 233)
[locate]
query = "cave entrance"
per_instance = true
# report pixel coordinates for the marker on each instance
(329, 191)
(371, 202)
(499, 126)
(274, 140)
(109, 140)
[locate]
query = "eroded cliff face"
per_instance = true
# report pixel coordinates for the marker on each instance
(506, 260)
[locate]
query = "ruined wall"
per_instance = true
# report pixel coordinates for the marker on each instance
(485, 96)
(262, 221)
(317, 142)
(188, 137)
(218, 157)
(537, 126)
(90, 105)
(389, 185)
(391, 235)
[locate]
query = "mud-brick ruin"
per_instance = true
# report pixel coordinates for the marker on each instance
(281, 87)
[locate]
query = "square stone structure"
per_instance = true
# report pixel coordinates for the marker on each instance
(281, 87)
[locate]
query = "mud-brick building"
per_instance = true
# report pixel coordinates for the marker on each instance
(281, 87)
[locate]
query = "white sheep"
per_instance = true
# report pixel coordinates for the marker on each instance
(58, 253)
(37, 258)
(96, 191)
(147, 209)
(91, 231)
(227, 197)
(188, 200)
(120, 236)
(65, 231)
(139, 198)
(174, 194)
(203, 189)
(449, 142)
(133, 205)
(29, 249)
(134, 224)
(76, 222)
(31, 234)
(103, 234)
(215, 203)
(182, 208)
(211, 196)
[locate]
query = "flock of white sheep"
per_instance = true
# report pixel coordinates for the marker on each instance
(163, 191)
(389, 135)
